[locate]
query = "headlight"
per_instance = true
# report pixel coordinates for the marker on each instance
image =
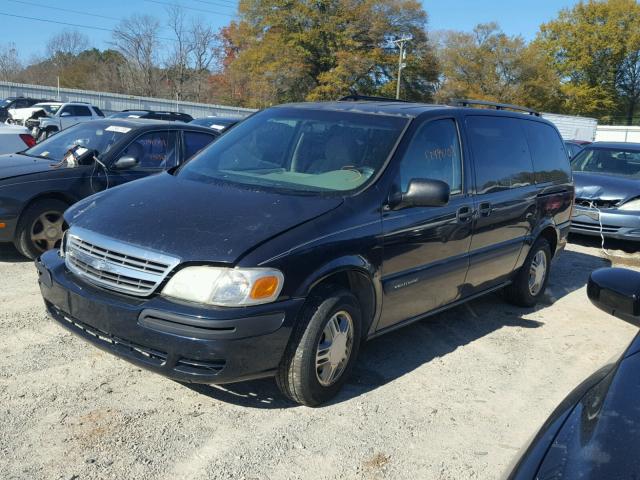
(227, 287)
(633, 205)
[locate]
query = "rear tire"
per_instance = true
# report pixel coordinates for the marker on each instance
(323, 347)
(40, 227)
(530, 282)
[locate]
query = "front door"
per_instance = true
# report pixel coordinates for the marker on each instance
(426, 248)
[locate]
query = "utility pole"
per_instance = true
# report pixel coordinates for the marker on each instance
(401, 58)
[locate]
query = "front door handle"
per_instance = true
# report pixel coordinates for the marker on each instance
(464, 214)
(485, 209)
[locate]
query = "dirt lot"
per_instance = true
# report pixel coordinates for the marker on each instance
(454, 397)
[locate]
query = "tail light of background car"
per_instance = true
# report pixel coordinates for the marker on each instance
(28, 139)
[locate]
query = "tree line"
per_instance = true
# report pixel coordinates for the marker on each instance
(586, 61)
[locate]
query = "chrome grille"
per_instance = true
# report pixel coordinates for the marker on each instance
(117, 266)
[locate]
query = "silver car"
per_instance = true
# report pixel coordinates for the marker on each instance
(607, 179)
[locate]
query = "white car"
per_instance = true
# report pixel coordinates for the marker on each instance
(14, 138)
(20, 115)
(45, 119)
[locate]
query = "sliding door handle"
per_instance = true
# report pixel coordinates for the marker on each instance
(485, 209)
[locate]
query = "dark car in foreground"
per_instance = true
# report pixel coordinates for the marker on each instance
(306, 229)
(153, 115)
(38, 184)
(595, 432)
(217, 123)
(574, 146)
(607, 177)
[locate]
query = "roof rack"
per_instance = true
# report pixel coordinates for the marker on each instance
(368, 98)
(497, 106)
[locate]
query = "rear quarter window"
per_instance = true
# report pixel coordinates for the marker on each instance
(501, 153)
(550, 160)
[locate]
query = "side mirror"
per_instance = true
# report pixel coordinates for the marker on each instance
(65, 114)
(617, 292)
(422, 192)
(124, 163)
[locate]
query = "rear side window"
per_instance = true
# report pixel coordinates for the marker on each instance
(194, 142)
(80, 111)
(550, 161)
(500, 152)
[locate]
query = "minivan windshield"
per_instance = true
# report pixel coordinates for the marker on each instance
(94, 135)
(300, 149)
(612, 161)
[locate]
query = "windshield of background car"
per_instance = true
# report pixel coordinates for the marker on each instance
(300, 149)
(4, 103)
(100, 137)
(50, 109)
(611, 161)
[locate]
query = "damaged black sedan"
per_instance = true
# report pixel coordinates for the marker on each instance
(39, 184)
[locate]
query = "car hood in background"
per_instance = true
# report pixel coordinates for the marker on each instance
(16, 165)
(192, 220)
(605, 187)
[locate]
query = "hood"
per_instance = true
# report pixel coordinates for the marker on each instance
(23, 113)
(16, 165)
(605, 187)
(192, 220)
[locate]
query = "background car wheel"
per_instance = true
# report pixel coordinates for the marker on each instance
(40, 227)
(323, 347)
(531, 281)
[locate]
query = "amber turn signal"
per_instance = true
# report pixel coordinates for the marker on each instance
(264, 287)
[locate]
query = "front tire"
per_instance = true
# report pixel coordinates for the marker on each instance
(323, 347)
(530, 282)
(40, 227)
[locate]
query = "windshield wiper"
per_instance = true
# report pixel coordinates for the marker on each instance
(36, 156)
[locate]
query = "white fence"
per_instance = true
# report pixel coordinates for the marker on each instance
(113, 102)
(572, 127)
(617, 133)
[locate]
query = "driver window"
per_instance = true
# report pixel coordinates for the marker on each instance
(154, 151)
(434, 153)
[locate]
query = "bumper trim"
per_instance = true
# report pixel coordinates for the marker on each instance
(197, 327)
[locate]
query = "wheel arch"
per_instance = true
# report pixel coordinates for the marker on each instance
(549, 231)
(63, 197)
(356, 274)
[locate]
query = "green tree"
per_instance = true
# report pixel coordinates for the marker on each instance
(286, 50)
(487, 64)
(595, 49)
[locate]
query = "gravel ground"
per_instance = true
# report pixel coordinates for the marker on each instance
(453, 397)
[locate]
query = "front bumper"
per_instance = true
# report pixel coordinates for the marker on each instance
(615, 223)
(180, 341)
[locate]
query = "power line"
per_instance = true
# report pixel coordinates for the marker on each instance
(189, 8)
(229, 4)
(65, 10)
(68, 24)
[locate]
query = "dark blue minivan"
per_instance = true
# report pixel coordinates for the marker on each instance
(308, 228)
